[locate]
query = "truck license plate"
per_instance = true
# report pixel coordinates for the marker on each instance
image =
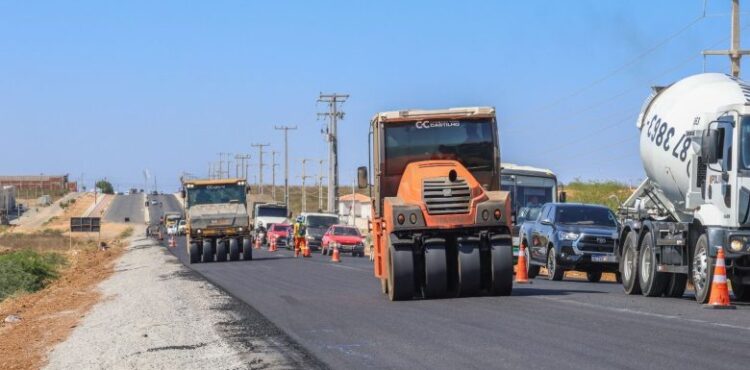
(602, 258)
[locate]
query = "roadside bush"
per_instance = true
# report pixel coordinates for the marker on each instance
(27, 271)
(606, 193)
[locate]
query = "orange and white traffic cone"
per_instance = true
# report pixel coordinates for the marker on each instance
(335, 255)
(522, 276)
(257, 244)
(270, 247)
(719, 297)
(161, 236)
(172, 242)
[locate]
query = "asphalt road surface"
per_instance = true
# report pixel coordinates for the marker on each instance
(126, 206)
(337, 312)
(165, 203)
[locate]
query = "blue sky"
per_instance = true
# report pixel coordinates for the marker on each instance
(112, 88)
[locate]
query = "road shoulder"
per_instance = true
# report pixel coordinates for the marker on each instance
(157, 313)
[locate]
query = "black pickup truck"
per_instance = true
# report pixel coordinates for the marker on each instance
(568, 236)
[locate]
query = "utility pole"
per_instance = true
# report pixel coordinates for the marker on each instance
(273, 174)
(320, 186)
(260, 164)
(221, 164)
(242, 160)
(735, 53)
(304, 189)
(333, 114)
(286, 160)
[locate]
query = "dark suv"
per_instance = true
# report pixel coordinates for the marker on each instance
(568, 236)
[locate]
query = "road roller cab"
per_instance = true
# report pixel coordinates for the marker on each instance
(441, 225)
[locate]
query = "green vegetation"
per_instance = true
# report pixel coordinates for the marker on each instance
(125, 233)
(65, 204)
(105, 187)
(608, 193)
(27, 271)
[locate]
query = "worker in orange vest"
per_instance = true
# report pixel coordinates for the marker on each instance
(299, 236)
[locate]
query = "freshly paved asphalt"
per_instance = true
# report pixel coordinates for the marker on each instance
(337, 312)
(130, 206)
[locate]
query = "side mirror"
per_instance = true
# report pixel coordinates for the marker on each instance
(563, 197)
(362, 179)
(546, 221)
(710, 146)
(182, 193)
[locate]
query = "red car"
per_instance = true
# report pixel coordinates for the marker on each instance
(278, 233)
(345, 238)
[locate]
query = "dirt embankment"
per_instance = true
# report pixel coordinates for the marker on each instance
(47, 317)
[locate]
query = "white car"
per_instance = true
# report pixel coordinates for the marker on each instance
(181, 227)
(172, 230)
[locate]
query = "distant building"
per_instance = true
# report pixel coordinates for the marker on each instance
(355, 209)
(7, 199)
(28, 186)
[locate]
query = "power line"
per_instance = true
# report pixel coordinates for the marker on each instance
(622, 67)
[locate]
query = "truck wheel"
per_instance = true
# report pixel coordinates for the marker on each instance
(247, 250)
(741, 292)
(502, 269)
(435, 270)
(676, 286)
(208, 253)
(554, 272)
(702, 270)
(652, 281)
(401, 274)
(594, 276)
(221, 250)
(629, 264)
(234, 250)
(469, 269)
(195, 254)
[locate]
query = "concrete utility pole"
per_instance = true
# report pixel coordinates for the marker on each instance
(273, 174)
(260, 164)
(320, 186)
(333, 114)
(241, 160)
(735, 53)
(220, 169)
(286, 160)
(304, 189)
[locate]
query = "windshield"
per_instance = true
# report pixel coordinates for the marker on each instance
(530, 193)
(467, 141)
(745, 143)
(527, 214)
(583, 215)
(212, 194)
(345, 231)
(321, 221)
(266, 211)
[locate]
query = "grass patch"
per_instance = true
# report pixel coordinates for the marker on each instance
(43, 240)
(125, 233)
(607, 193)
(27, 271)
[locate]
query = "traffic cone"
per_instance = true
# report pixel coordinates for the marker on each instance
(719, 291)
(161, 236)
(306, 250)
(270, 247)
(335, 255)
(172, 242)
(522, 276)
(257, 244)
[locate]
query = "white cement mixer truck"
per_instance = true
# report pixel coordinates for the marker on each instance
(695, 148)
